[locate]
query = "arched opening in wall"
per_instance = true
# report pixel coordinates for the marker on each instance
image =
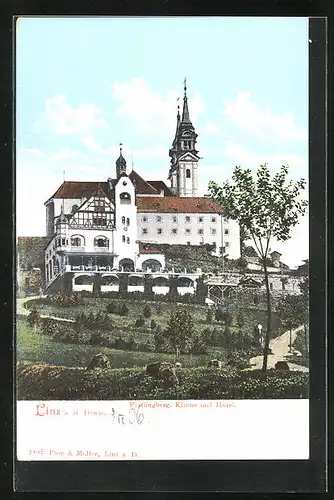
(160, 281)
(188, 173)
(109, 281)
(125, 198)
(101, 242)
(126, 265)
(136, 281)
(84, 280)
(151, 265)
(184, 282)
(77, 240)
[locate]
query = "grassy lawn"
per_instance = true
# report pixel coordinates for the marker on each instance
(34, 347)
(160, 313)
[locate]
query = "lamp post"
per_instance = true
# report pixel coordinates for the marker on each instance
(260, 334)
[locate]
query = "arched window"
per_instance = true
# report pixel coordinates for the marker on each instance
(128, 240)
(128, 221)
(123, 220)
(101, 241)
(188, 173)
(123, 238)
(77, 241)
(125, 198)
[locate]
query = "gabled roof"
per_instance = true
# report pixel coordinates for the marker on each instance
(79, 189)
(141, 186)
(161, 186)
(175, 204)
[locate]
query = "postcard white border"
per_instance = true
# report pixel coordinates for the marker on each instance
(163, 430)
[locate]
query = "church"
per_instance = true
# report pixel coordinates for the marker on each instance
(121, 223)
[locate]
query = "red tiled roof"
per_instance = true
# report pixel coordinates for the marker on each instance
(160, 185)
(173, 204)
(78, 189)
(148, 248)
(141, 186)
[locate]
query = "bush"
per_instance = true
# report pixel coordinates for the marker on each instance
(33, 318)
(124, 310)
(45, 382)
(153, 324)
(147, 313)
(112, 308)
(209, 316)
(67, 300)
(140, 322)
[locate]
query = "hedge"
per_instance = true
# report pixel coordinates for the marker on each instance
(48, 382)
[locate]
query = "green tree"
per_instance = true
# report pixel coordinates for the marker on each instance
(180, 331)
(267, 207)
(147, 311)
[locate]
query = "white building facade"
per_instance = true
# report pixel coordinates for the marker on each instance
(102, 226)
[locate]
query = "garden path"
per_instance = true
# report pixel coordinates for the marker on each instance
(21, 310)
(280, 351)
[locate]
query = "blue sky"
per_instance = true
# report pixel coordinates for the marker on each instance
(86, 84)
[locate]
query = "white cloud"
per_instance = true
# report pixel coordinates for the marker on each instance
(209, 128)
(249, 159)
(262, 122)
(150, 111)
(66, 119)
(63, 154)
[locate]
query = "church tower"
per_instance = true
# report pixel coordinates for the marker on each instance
(183, 172)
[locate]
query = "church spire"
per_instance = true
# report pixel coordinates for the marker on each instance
(120, 163)
(185, 113)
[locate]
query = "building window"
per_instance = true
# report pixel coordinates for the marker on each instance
(159, 218)
(123, 220)
(188, 231)
(213, 219)
(159, 230)
(271, 286)
(227, 244)
(128, 221)
(188, 173)
(99, 205)
(63, 241)
(123, 238)
(188, 243)
(200, 219)
(213, 231)
(101, 242)
(144, 218)
(226, 231)
(226, 220)
(174, 231)
(187, 218)
(144, 231)
(74, 208)
(200, 231)
(174, 219)
(125, 198)
(99, 221)
(128, 240)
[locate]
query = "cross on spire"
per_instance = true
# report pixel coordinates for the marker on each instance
(185, 86)
(120, 148)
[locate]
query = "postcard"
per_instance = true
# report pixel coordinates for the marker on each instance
(162, 239)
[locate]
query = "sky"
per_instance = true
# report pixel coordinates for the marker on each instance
(83, 85)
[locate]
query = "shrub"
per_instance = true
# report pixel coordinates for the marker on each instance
(240, 320)
(209, 316)
(124, 310)
(153, 324)
(33, 318)
(140, 322)
(111, 308)
(45, 382)
(67, 300)
(147, 313)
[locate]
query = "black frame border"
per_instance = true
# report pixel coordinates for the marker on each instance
(193, 476)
